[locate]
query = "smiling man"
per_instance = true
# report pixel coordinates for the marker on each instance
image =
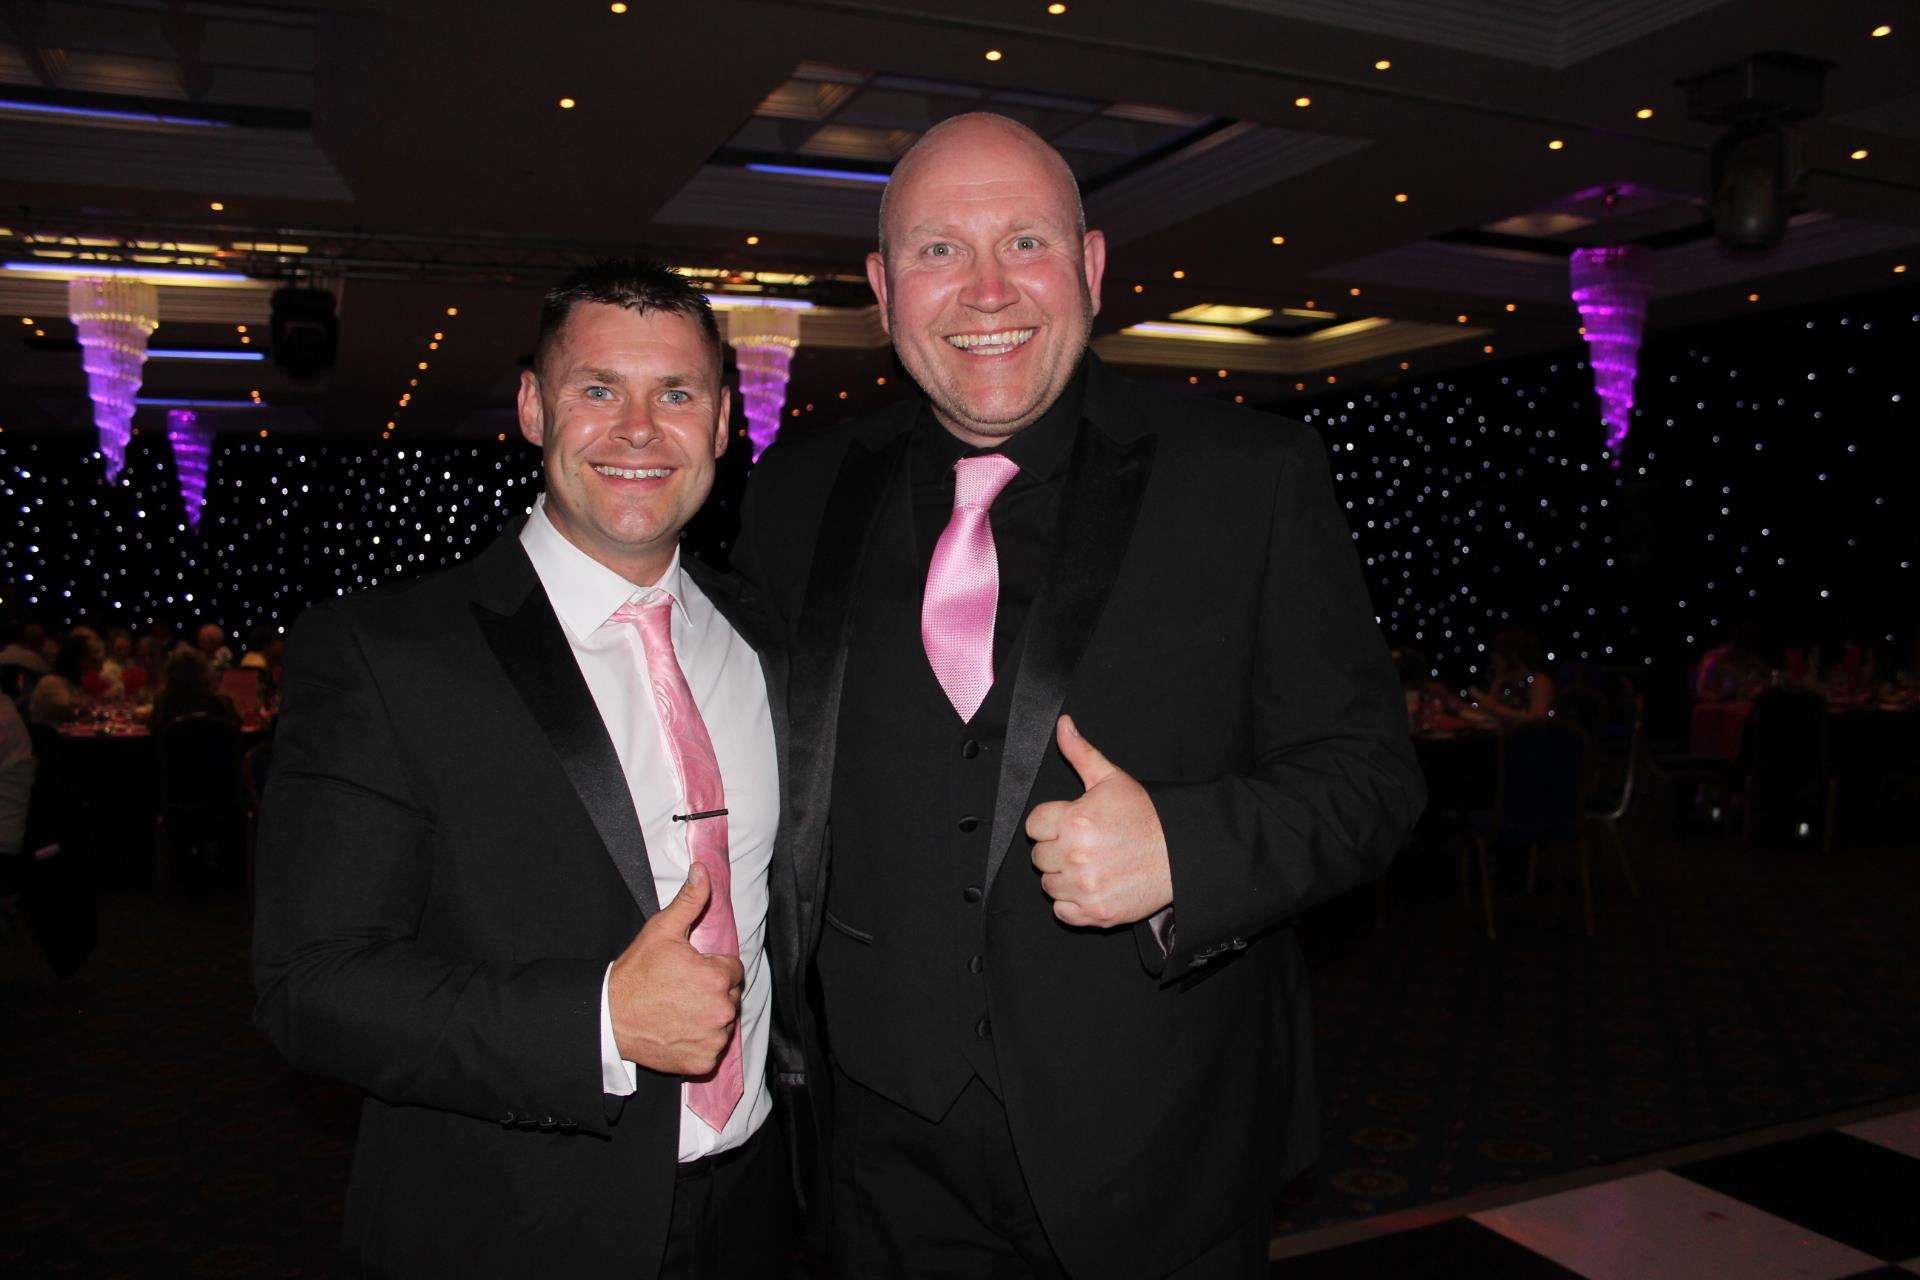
(1094, 706)
(513, 868)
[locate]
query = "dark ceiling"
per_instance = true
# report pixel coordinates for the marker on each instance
(419, 159)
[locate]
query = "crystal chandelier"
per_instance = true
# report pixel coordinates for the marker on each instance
(765, 338)
(1611, 288)
(192, 443)
(114, 316)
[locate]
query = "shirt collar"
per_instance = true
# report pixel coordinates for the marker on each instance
(1040, 449)
(584, 592)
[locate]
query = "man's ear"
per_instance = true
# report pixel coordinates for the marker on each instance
(533, 414)
(723, 425)
(1093, 259)
(877, 281)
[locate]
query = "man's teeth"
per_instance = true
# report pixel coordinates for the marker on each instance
(636, 473)
(991, 344)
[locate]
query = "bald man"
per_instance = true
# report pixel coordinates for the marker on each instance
(1093, 705)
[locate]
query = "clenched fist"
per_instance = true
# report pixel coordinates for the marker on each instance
(1102, 858)
(674, 1009)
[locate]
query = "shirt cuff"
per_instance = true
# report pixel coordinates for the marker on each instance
(1161, 923)
(617, 1076)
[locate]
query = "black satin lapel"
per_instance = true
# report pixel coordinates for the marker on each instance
(818, 668)
(534, 652)
(1104, 484)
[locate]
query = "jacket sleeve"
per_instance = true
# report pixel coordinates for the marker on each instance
(345, 987)
(1334, 788)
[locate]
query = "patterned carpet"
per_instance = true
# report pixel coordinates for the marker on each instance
(150, 1132)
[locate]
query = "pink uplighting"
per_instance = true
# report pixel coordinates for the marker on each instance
(1611, 288)
(765, 338)
(192, 442)
(114, 315)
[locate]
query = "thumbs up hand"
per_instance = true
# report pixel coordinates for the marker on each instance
(1102, 858)
(673, 1008)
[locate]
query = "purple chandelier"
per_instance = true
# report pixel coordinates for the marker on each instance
(765, 338)
(114, 316)
(1611, 288)
(192, 443)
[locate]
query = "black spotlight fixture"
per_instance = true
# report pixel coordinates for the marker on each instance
(1756, 176)
(306, 332)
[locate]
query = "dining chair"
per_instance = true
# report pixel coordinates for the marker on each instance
(1790, 771)
(201, 803)
(1539, 799)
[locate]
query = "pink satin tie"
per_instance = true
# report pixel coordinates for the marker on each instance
(963, 585)
(685, 733)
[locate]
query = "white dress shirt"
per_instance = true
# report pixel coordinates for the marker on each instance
(724, 674)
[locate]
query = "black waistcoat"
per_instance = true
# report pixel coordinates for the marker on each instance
(902, 958)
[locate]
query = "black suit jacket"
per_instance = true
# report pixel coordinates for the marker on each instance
(449, 859)
(1205, 623)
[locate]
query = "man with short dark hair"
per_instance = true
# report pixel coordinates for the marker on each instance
(513, 869)
(1093, 705)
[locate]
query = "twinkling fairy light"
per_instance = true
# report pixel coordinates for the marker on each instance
(115, 316)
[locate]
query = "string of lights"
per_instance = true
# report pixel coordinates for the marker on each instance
(1766, 481)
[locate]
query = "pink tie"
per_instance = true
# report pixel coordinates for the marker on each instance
(714, 1099)
(963, 585)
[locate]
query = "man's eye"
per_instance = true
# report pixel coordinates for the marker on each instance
(1026, 242)
(939, 251)
(599, 393)
(677, 397)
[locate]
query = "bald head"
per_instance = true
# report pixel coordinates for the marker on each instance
(975, 137)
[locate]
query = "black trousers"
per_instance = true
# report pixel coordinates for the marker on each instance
(947, 1201)
(733, 1218)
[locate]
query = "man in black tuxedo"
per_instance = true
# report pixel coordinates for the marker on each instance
(486, 782)
(1065, 1005)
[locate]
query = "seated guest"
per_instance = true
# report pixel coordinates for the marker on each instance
(16, 778)
(1735, 671)
(255, 657)
(20, 646)
(211, 641)
(1519, 686)
(188, 690)
(61, 693)
(119, 657)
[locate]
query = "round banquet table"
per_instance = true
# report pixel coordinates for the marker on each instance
(117, 769)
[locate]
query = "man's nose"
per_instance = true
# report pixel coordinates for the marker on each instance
(636, 428)
(989, 289)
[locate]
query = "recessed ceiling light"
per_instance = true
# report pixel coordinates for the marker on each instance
(566, 104)
(1461, 318)
(1512, 307)
(880, 382)
(1753, 297)
(453, 311)
(753, 239)
(1858, 153)
(1139, 288)
(1279, 239)
(1219, 373)
(1488, 348)
(1400, 197)
(1405, 365)
(994, 55)
(26, 319)
(1303, 102)
(1882, 30)
(1179, 275)
(1644, 113)
(1331, 378)
(217, 207)
(1056, 9)
(1557, 145)
(1383, 65)
(1900, 268)
(1355, 291)
(617, 8)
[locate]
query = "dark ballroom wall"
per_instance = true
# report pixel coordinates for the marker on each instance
(1767, 477)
